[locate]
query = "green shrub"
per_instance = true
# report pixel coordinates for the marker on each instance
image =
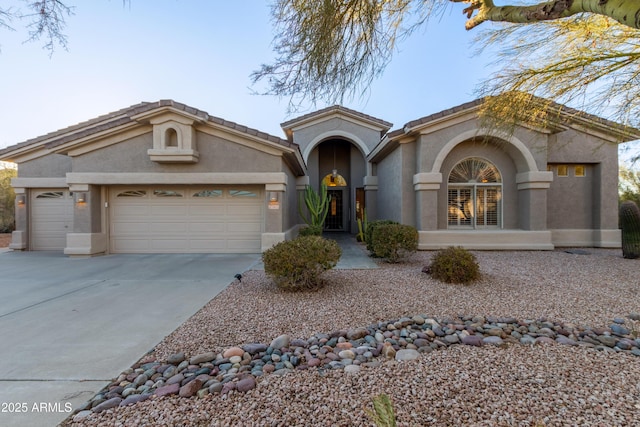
(369, 232)
(394, 241)
(383, 414)
(454, 265)
(297, 264)
(630, 225)
(313, 230)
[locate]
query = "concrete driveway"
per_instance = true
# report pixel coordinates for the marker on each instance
(67, 326)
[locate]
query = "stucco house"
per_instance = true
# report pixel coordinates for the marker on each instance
(166, 177)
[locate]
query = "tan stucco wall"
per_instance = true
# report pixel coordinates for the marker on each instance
(390, 187)
(309, 137)
(216, 155)
(49, 166)
(583, 202)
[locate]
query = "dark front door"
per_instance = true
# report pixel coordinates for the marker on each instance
(338, 209)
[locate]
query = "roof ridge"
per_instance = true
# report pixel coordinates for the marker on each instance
(336, 107)
(124, 115)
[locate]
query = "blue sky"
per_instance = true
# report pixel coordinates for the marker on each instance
(201, 53)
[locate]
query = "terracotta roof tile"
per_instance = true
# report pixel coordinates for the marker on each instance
(336, 108)
(124, 116)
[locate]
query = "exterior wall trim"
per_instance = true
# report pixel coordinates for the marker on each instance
(175, 178)
(20, 182)
(332, 134)
(537, 180)
(587, 238)
(464, 136)
(486, 240)
(427, 181)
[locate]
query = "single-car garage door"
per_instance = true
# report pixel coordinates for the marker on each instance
(163, 219)
(51, 219)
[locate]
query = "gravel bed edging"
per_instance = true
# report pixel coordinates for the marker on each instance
(528, 385)
(239, 368)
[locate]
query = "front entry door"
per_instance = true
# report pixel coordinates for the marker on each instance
(338, 210)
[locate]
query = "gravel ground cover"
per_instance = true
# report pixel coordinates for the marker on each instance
(513, 384)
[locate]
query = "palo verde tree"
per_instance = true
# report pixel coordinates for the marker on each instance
(582, 52)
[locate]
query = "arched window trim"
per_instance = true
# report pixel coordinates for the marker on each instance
(474, 195)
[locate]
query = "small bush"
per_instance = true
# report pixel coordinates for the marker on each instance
(394, 241)
(454, 265)
(296, 265)
(312, 230)
(369, 232)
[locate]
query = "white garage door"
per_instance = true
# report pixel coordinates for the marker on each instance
(51, 219)
(157, 219)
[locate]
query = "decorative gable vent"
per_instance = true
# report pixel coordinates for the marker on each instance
(174, 139)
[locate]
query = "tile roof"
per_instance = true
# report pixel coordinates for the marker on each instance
(568, 112)
(336, 108)
(124, 116)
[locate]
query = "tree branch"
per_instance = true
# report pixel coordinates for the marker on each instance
(479, 11)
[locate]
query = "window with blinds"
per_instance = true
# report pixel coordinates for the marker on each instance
(474, 195)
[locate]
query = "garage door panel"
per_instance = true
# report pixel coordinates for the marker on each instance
(167, 227)
(130, 210)
(223, 223)
(51, 218)
(245, 210)
(209, 210)
(129, 228)
(169, 245)
(243, 227)
(168, 210)
(207, 227)
(130, 245)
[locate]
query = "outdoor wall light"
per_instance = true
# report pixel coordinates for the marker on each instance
(81, 197)
(273, 200)
(20, 199)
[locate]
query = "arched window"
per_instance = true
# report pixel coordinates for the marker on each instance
(474, 195)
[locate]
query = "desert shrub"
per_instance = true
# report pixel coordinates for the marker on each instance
(7, 200)
(383, 414)
(454, 265)
(369, 232)
(297, 264)
(312, 230)
(394, 241)
(630, 225)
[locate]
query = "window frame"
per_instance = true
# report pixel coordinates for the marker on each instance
(472, 195)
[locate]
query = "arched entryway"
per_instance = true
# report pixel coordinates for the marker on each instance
(341, 165)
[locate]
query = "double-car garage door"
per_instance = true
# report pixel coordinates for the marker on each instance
(164, 219)
(160, 219)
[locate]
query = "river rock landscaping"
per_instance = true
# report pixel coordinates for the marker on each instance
(569, 353)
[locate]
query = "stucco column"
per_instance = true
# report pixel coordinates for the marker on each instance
(370, 184)
(274, 215)
(275, 206)
(20, 235)
(426, 186)
(532, 199)
(87, 237)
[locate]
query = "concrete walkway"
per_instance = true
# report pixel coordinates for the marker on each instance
(354, 254)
